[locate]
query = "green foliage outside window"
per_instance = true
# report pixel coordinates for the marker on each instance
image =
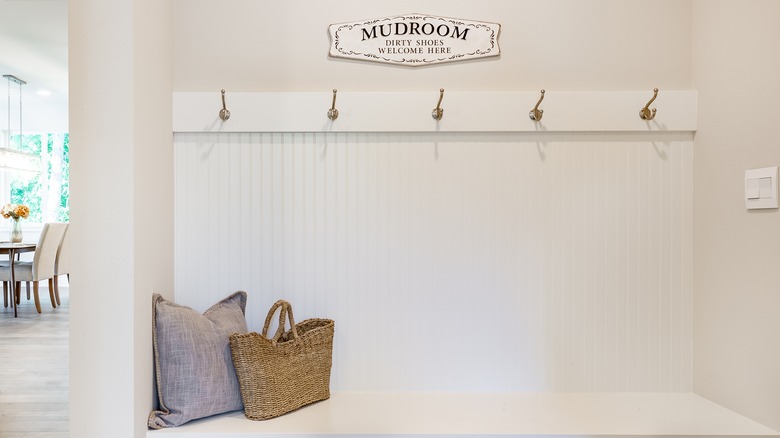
(28, 190)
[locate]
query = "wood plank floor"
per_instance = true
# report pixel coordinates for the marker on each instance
(34, 369)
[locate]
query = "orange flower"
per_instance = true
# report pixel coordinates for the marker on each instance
(15, 211)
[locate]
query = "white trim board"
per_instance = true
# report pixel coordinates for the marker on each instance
(483, 415)
(564, 111)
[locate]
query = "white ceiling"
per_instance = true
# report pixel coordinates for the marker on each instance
(34, 48)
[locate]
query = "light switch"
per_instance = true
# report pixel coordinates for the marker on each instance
(761, 188)
(764, 188)
(752, 191)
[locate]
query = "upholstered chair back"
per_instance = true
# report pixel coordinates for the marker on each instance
(62, 264)
(46, 250)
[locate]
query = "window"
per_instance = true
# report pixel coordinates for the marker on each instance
(45, 192)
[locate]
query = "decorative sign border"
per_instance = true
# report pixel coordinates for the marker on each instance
(414, 40)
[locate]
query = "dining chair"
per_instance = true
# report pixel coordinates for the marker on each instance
(62, 263)
(5, 283)
(42, 265)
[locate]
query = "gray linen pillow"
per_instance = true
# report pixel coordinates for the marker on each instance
(193, 366)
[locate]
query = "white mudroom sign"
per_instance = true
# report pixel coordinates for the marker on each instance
(414, 40)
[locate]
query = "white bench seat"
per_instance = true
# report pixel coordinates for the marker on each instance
(487, 415)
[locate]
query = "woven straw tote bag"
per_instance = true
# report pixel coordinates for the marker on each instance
(281, 374)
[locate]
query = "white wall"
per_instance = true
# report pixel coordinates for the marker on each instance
(532, 220)
(121, 207)
(567, 45)
(245, 45)
(453, 261)
(562, 44)
(737, 329)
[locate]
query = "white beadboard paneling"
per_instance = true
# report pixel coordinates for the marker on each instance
(497, 262)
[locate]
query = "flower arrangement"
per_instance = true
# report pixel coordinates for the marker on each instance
(15, 211)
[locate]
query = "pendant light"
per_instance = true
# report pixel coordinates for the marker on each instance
(13, 159)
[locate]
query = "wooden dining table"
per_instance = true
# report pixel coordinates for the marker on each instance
(12, 249)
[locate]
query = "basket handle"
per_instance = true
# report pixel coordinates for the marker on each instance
(284, 314)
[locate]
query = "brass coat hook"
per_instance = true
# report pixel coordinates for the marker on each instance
(333, 113)
(224, 113)
(646, 113)
(536, 114)
(438, 112)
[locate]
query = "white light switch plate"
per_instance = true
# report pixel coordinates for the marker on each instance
(761, 188)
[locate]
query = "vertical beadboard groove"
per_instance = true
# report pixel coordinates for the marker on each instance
(452, 262)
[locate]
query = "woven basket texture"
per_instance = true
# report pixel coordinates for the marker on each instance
(288, 371)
